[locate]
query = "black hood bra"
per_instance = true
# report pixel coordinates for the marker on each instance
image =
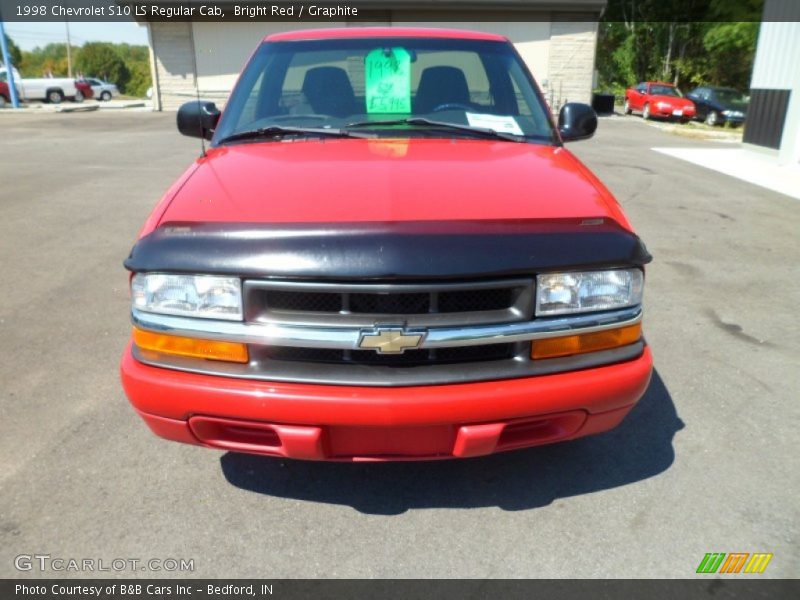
(400, 250)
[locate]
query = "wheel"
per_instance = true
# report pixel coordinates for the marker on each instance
(712, 118)
(646, 112)
(78, 96)
(105, 96)
(55, 96)
(628, 109)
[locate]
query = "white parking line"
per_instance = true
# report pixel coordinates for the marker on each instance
(743, 164)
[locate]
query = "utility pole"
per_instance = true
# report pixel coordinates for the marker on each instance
(12, 85)
(69, 52)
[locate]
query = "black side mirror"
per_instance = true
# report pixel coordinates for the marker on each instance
(198, 119)
(576, 122)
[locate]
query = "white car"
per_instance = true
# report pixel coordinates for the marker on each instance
(48, 89)
(103, 90)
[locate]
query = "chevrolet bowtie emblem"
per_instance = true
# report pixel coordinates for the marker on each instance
(386, 340)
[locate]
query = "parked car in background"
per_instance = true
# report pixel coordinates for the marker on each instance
(5, 95)
(47, 89)
(657, 99)
(82, 90)
(103, 90)
(717, 105)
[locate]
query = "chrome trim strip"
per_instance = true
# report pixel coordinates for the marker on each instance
(347, 338)
(387, 288)
(386, 376)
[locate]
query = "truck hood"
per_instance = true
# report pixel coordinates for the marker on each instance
(354, 180)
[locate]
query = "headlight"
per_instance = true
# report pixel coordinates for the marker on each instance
(204, 296)
(587, 291)
(662, 105)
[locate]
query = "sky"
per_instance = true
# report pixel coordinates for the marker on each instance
(29, 35)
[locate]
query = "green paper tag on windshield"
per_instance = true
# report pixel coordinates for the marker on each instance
(388, 81)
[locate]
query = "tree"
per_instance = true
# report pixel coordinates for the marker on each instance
(51, 59)
(100, 59)
(687, 42)
(140, 79)
(15, 52)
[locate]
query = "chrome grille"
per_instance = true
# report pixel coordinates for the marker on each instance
(365, 305)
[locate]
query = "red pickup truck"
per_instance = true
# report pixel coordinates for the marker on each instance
(386, 253)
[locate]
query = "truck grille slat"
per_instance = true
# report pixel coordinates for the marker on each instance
(390, 304)
(410, 358)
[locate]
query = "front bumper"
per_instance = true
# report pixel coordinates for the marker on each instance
(330, 422)
(734, 120)
(669, 112)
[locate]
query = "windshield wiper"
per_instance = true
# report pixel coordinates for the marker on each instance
(423, 122)
(277, 131)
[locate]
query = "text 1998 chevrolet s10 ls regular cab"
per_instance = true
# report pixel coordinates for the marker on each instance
(386, 254)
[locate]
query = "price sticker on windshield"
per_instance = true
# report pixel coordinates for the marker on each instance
(388, 81)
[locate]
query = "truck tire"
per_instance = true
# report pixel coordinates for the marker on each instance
(55, 96)
(105, 96)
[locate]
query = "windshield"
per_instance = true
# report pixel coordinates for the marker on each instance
(339, 82)
(664, 90)
(730, 97)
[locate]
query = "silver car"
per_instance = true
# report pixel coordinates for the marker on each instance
(103, 90)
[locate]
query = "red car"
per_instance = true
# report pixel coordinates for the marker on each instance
(655, 99)
(386, 253)
(84, 90)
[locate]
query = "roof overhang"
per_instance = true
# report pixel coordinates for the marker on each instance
(563, 8)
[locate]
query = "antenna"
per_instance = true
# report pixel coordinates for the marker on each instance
(196, 83)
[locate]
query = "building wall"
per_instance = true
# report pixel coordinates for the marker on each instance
(172, 66)
(773, 120)
(559, 54)
(571, 61)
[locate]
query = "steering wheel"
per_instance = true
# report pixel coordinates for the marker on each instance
(451, 106)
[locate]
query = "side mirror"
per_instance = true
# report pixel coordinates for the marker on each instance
(198, 119)
(576, 122)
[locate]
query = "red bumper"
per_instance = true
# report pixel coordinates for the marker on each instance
(319, 422)
(669, 111)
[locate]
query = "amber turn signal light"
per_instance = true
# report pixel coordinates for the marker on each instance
(184, 346)
(586, 342)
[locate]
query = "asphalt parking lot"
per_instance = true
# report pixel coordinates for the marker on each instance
(706, 463)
